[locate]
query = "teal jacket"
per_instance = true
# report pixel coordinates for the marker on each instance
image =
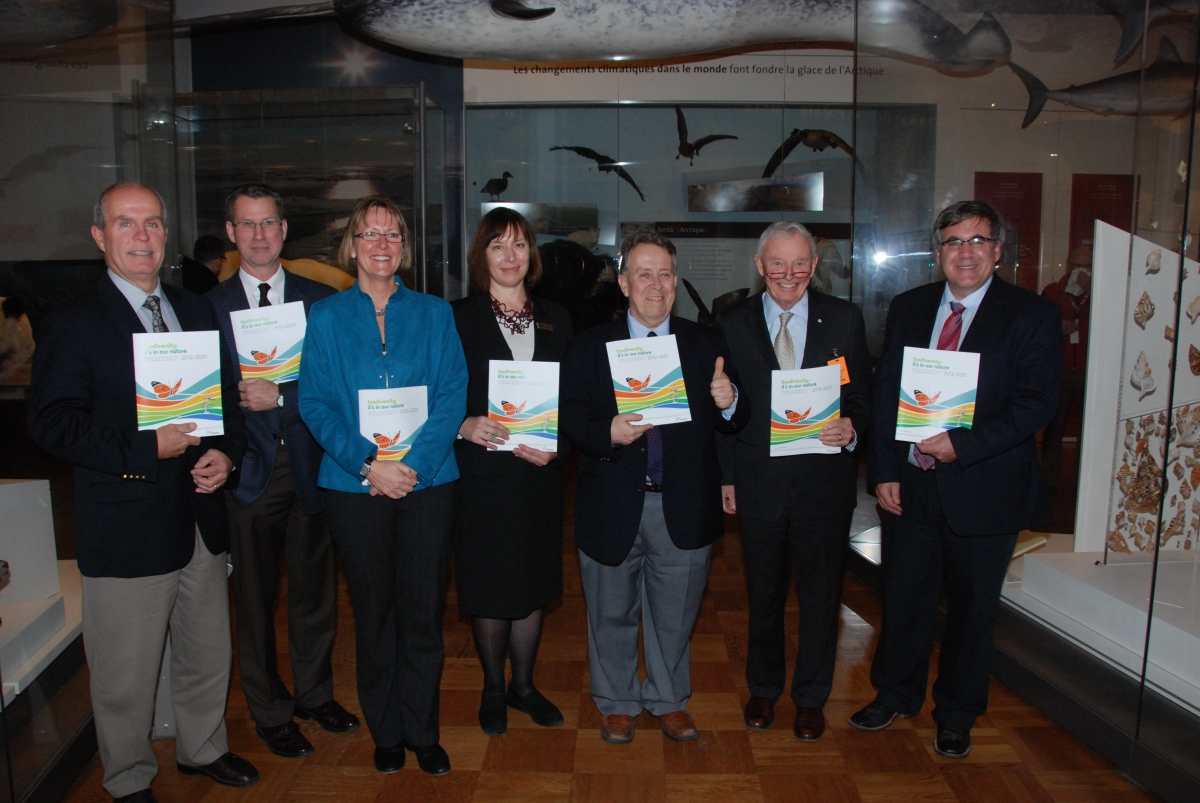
(343, 354)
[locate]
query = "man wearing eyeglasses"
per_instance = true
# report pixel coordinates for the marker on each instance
(277, 510)
(956, 501)
(793, 510)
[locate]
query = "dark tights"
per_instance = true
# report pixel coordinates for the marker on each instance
(516, 639)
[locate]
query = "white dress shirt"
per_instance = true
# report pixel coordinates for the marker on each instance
(137, 299)
(274, 295)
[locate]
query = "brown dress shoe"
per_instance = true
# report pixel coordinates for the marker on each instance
(759, 713)
(809, 725)
(617, 728)
(678, 725)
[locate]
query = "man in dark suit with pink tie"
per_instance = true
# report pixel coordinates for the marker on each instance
(955, 502)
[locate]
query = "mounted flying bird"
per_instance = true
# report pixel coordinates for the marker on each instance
(816, 138)
(605, 164)
(690, 150)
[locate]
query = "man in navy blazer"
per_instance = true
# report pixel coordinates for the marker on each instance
(150, 530)
(648, 500)
(277, 510)
(955, 502)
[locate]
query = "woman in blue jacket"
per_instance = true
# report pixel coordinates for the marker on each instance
(391, 519)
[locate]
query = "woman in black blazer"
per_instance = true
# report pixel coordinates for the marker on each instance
(508, 546)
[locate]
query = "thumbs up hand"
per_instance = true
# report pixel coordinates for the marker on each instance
(721, 388)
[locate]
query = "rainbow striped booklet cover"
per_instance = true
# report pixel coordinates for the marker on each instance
(802, 403)
(177, 377)
(523, 396)
(269, 341)
(648, 379)
(937, 392)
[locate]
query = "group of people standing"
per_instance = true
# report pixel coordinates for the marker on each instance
(298, 479)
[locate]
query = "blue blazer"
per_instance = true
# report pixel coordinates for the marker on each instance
(343, 354)
(264, 429)
(995, 486)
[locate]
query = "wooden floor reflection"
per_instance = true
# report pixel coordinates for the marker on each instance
(1018, 754)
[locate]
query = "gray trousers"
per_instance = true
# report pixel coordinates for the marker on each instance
(664, 585)
(125, 623)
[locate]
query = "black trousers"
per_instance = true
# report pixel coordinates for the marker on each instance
(817, 549)
(272, 527)
(395, 553)
(919, 553)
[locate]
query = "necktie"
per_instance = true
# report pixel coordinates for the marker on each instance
(263, 301)
(785, 350)
(152, 303)
(654, 450)
(947, 341)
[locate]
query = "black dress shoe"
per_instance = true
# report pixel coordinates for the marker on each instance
(330, 716)
(389, 759)
(285, 740)
(493, 713)
(952, 742)
(229, 770)
(540, 710)
(431, 758)
(875, 716)
(140, 796)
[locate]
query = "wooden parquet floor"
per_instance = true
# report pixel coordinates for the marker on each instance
(1019, 756)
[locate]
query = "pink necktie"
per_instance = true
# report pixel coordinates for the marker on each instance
(947, 341)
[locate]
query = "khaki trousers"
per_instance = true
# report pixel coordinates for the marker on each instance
(125, 623)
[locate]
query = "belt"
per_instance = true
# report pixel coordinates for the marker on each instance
(653, 487)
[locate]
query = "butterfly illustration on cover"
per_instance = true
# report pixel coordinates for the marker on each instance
(165, 391)
(383, 442)
(794, 417)
(923, 399)
(263, 359)
(511, 409)
(637, 384)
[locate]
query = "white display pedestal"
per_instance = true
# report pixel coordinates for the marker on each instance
(1105, 608)
(17, 679)
(27, 542)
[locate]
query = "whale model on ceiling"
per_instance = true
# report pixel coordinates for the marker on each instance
(557, 30)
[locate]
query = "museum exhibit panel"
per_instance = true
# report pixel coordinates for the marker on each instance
(1075, 119)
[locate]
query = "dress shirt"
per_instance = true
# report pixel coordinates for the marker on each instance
(638, 329)
(971, 304)
(137, 299)
(274, 295)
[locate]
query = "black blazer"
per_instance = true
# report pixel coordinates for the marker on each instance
(995, 486)
(135, 515)
(483, 342)
(825, 484)
(264, 429)
(612, 479)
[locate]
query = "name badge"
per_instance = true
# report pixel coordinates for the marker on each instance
(841, 363)
(547, 326)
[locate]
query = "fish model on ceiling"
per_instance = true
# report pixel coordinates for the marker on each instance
(1135, 20)
(1168, 88)
(556, 30)
(32, 24)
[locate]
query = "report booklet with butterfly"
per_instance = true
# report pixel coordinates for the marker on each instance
(523, 396)
(802, 403)
(177, 380)
(269, 341)
(937, 392)
(391, 418)
(648, 379)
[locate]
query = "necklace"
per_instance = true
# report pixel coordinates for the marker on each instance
(379, 313)
(515, 322)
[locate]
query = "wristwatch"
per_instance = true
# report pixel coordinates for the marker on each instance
(365, 471)
(279, 401)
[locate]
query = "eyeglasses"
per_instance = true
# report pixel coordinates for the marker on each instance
(794, 269)
(373, 236)
(249, 225)
(978, 241)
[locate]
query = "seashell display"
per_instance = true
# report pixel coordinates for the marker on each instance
(1194, 359)
(1188, 427)
(1144, 310)
(1141, 379)
(1175, 527)
(1154, 261)
(1169, 334)
(1193, 309)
